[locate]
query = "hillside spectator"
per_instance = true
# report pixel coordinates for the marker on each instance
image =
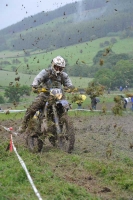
(125, 101)
(121, 88)
(132, 103)
(94, 101)
(126, 88)
(79, 105)
(108, 90)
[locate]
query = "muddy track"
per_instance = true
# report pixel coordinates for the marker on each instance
(95, 134)
(101, 136)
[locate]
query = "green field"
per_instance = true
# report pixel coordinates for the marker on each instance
(39, 60)
(6, 77)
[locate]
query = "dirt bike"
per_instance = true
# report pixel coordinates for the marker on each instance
(53, 123)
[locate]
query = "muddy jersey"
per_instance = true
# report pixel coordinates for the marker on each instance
(50, 80)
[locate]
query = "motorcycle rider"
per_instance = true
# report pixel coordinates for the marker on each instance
(54, 77)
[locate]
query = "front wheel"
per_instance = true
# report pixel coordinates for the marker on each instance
(34, 143)
(66, 139)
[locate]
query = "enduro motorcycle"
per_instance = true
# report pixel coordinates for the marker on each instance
(53, 123)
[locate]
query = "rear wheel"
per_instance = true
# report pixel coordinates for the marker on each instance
(66, 139)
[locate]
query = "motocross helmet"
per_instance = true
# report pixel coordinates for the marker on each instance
(58, 64)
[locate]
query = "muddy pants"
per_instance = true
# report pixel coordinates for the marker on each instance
(37, 104)
(93, 103)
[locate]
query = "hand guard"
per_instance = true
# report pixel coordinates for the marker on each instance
(34, 90)
(73, 89)
(67, 89)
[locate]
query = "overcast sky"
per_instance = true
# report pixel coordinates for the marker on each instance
(13, 11)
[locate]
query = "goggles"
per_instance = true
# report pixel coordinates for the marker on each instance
(58, 68)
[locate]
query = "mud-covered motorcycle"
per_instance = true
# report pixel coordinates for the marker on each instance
(53, 123)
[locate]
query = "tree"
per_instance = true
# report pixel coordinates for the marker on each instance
(113, 40)
(79, 70)
(123, 71)
(104, 76)
(26, 53)
(14, 93)
(102, 54)
(2, 99)
(119, 74)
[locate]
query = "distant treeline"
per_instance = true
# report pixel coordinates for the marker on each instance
(72, 30)
(69, 34)
(45, 17)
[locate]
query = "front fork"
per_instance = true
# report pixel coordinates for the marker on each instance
(56, 119)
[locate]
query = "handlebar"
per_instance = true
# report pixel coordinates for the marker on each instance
(42, 89)
(39, 89)
(69, 90)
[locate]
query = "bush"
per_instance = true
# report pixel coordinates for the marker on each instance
(2, 100)
(15, 93)
(93, 37)
(101, 45)
(113, 40)
(113, 34)
(106, 43)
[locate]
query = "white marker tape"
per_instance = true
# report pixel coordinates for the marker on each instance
(15, 111)
(11, 111)
(23, 164)
(8, 129)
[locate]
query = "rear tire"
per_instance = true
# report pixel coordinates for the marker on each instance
(66, 139)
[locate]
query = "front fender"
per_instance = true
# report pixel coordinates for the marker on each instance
(64, 103)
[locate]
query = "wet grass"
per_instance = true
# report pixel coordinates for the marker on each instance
(51, 186)
(11, 116)
(60, 176)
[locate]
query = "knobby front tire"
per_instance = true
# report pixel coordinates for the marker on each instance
(66, 139)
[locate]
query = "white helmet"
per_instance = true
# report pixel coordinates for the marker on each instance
(58, 64)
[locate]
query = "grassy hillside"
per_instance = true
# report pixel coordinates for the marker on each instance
(123, 46)
(83, 53)
(25, 79)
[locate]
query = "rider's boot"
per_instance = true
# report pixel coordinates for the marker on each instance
(22, 128)
(36, 105)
